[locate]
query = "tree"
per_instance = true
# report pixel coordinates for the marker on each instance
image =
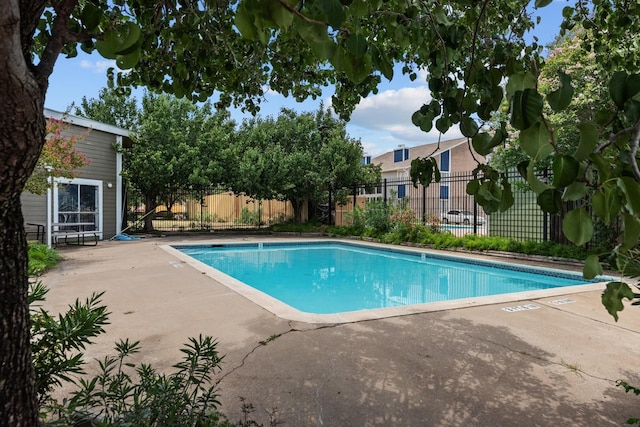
(58, 158)
(468, 48)
(295, 157)
(193, 49)
(112, 107)
(589, 83)
(178, 144)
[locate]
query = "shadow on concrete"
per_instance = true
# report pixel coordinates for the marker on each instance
(419, 370)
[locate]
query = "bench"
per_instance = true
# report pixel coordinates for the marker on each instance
(79, 236)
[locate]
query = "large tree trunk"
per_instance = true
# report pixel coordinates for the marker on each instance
(18, 404)
(22, 122)
(297, 210)
(150, 203)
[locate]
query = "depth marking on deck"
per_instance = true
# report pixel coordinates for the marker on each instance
(524, 307)
(562, 301)
(176, 264)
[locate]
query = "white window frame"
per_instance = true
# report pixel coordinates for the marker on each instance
(81, 181)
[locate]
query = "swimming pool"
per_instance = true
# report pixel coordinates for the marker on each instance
(335, 277)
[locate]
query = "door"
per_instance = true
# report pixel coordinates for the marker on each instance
(79, 201)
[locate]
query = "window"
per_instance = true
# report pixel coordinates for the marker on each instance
(400, 155)
(366, 160)
(402, 191)
(444, 192)
(444, 161)
(79, 201)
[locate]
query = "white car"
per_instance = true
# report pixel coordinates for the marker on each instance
(461, 217)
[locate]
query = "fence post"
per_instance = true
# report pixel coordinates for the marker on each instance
(201, 209)
(384, 191)
(475, 216)
(424, 204)
(545, 215)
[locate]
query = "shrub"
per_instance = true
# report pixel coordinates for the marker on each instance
(248, 217)
(124, 393)
(41, 258)
(356, 220)
(57, 344)
(377, 216)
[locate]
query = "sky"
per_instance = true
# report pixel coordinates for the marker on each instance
(381, 122)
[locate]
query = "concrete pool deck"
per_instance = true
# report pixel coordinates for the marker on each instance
(555, 364)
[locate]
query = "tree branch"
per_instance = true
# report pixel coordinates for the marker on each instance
(59, 37)
(614, 137)
(297, 13)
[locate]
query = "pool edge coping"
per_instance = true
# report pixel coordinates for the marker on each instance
(285, 311)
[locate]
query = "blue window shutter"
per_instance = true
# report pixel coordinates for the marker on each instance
(397, 156)
(402, 191)
(444, 192)
(444, 161)
(406, 154)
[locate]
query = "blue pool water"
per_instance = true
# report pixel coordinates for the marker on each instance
(325, 278)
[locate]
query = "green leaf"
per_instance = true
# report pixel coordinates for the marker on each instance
(356, 44)
(535, 141)
(616, 88)
(125, 62)
(613, 295)
(244, 22)
(280, 14)
(588, 141)
(334, 12)
(550, 201)
(468, 127)
(440, 16)
(522, 168)
(472, 187)
(577, 226)
(606, 204)
(382, 62)
(536, 185)
(324, 49)
(565, 170)
(592, 267)
(631, 189)
(526, 109)
(132, 35)
(507, 199)
(575, 191)
(603, 166)
(631, 232)
(90, 16)
(358, 8)
(560, 98)
(519, 82)
(623, 87)
(481, 143)
(542, 3)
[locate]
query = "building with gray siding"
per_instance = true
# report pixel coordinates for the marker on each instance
(96, 195)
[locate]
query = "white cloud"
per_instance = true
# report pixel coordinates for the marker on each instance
(99, 67)
(383, 121)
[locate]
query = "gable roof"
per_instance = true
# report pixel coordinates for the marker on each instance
(432, 149)
(89, 124)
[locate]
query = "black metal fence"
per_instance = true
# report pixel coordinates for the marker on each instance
(448, 204)
(445, 203)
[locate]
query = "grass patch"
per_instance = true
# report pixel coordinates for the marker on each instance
(41, 258)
